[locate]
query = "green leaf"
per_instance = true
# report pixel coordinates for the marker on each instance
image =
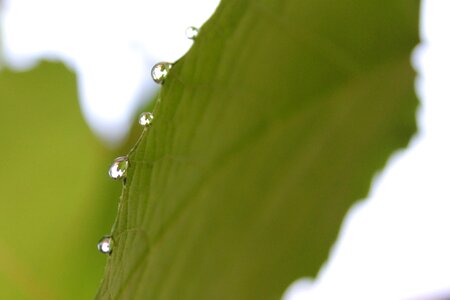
(268, 130)
(57, 200)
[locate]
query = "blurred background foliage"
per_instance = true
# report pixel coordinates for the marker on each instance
(56, 197)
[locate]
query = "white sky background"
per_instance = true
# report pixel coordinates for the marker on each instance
(110, 44)
(394, 246)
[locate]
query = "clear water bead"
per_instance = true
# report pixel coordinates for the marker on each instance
(146, 119)
(160, 71)
(191, 32)
(119, 168)
(105, 245)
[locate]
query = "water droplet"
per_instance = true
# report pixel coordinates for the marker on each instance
(119, 168)
(105, 245)
(160, 71)
(146, 119)
(191, 32)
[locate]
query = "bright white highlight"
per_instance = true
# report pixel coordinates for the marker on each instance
(111, 45)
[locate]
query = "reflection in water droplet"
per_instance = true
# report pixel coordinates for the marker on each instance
(146, 119)
(105, 245)
(160, 71)
(119, 168)
(191, 32)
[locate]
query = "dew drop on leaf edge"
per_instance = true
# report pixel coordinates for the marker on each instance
(191, 32)
(146, 119)
(160, 71)
(105, 245)
(118, 169)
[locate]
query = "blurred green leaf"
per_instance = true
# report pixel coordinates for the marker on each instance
(269, 129)
(57, 199)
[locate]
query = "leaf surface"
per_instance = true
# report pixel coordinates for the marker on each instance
(268, 130)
